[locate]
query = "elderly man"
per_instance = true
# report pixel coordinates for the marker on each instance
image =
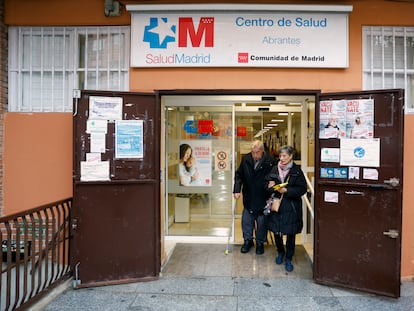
(250, 180)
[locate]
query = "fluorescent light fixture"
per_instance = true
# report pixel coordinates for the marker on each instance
(272, 124)
(283, 113)
(277, 120)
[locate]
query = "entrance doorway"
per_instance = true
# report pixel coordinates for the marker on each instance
(218, 130)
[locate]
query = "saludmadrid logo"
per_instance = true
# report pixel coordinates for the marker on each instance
(162, 33)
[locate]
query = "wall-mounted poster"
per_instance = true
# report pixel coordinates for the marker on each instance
(360, 118)
(129, 139)
(195, 163)
(332, 119)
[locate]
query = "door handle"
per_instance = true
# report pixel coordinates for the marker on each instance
(392, 233)
(394, 182)
(354, 192)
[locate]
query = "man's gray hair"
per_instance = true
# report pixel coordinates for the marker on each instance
(258, 144)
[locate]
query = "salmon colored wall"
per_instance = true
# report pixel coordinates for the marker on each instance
(90, 12)
(407, 262)
(38, 159)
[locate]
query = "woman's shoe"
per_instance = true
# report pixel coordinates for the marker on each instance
(279, 258)
(289, 265)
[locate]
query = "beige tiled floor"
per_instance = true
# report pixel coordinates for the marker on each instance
(210, 260)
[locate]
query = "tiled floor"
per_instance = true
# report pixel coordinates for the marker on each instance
(210, 260)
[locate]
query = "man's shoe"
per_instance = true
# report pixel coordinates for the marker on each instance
(288, 265)
(246, 246)
(259, 248)
(279, 258)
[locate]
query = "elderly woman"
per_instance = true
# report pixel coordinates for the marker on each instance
(288, 219)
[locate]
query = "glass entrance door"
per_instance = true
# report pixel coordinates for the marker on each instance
(205, 138)
(200, 172)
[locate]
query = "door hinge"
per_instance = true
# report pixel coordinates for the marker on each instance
(392, 233)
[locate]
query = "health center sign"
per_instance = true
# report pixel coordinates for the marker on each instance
(255, 37)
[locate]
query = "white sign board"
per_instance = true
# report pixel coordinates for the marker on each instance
(360, 152)
(239, 39)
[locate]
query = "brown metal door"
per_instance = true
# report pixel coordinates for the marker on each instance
(358, 215)
(116, 226)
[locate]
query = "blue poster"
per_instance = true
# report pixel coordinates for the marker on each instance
(129, 139)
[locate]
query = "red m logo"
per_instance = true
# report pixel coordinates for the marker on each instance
(205, 27)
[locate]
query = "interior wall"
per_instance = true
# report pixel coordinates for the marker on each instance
(38, 159)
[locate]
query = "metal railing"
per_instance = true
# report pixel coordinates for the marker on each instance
(35, 252)
(311, 191)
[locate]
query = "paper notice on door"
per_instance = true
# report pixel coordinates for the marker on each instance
(353, 172)
(330, 155)
(98, 143)
(96, 126)
(105, 108)
(93, 157)
(94, 171)
(331, 196)
(370, 173)
(360, 152)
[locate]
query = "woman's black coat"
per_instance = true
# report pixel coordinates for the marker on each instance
(288, 220)
(250, 181)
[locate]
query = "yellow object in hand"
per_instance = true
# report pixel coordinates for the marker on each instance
(278, 186)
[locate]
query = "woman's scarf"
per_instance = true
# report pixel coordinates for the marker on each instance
(284, 170)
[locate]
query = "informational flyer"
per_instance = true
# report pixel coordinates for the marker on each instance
(129, 139)
(370, 173)
(98, 142)
(105, 108)
(360, 152)
(330, 155)
(94, 171)
(360, 118)
(332, 119)
(353, 172)
(96, 126)
(331, 196)
(195, 164)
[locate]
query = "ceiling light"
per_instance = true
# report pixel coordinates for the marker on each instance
(283, 113)
(271, 124)
(277, 120)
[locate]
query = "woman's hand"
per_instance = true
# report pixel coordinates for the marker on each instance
(282, 190)
(271, 184)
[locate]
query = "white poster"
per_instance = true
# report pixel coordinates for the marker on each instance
(96, 126)
(331, 197)
(195, 163)
(360, 152)
(94, 171)
(98, 142)
(105, 108)
(330, 155)
(235, 38)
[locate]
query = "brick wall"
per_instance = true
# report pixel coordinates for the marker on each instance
(3, 93)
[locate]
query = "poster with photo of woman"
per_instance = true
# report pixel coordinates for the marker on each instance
(195, 165)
